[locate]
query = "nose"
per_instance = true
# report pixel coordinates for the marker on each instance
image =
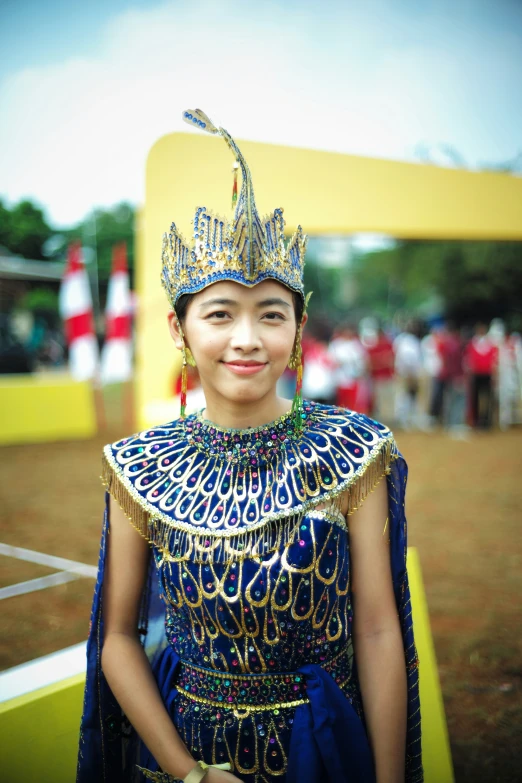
(244, 336)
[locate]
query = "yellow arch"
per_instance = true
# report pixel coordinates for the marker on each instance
(327, 193)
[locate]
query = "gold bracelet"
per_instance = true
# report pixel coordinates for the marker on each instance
(195, 775)
(200, 770)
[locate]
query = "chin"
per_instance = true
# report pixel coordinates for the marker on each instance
(246, 392)
(247, 395)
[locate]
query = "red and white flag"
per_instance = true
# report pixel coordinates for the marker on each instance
(117, 350)
(76, 311)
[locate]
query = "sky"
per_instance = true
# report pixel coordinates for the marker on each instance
(87, 88)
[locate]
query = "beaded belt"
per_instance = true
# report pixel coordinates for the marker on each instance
(254, 692)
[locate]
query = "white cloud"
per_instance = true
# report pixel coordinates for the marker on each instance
(76, 134)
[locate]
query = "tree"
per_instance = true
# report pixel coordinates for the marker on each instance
(24, 229)
(475, 280)
(42, 302)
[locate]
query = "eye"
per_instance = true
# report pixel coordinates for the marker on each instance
(218, 315)
(274, 316)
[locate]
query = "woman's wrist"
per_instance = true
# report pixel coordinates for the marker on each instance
(177, 770)
(195, 775)
(182, 767)
(197, 772)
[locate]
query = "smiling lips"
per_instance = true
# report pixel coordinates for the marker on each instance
(242, 367)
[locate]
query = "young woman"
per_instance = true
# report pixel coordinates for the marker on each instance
(259, 629)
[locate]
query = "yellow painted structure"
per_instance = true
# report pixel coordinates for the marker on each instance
(42, 408)
(327, 193)
(39, 731)
(436, 754)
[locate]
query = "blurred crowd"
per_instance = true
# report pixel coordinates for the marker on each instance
(416, 377)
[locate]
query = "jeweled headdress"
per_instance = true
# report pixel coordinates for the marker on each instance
(247, 249)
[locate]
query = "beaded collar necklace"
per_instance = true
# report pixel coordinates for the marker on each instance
(253, 446)
(180, 495)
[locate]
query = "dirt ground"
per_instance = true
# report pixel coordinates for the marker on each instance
(464, 510)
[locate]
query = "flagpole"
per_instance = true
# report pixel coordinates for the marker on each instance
(99, 397)
(96, 284)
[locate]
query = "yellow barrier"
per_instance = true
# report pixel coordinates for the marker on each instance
(39, 731)
(42, 408)
(436, 752)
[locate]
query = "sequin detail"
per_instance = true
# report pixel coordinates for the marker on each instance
(255, 693)
(250, 447)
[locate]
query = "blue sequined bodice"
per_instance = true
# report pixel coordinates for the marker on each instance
(264, 613)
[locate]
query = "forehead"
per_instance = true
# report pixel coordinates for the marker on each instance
(228, 289)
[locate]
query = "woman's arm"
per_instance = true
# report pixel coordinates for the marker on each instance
(378, 644)
(124, 661)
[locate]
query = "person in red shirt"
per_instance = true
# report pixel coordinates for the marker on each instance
(382, 371)
(453, 373)
(481, 357)
(447, 403)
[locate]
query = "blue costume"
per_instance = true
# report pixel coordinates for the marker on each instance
(247, 613)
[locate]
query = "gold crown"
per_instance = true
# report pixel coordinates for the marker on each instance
(247, 249)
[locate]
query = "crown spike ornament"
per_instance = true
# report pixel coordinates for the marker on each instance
(246, 249)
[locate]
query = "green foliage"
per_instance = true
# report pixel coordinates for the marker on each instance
(475, 280)
(324, 283)
(483, 280)
(42, 302)
(23, 229)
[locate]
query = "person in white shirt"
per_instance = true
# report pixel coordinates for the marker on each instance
(408, 367)
(351, 360)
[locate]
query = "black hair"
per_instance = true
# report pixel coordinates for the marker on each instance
(183, 303)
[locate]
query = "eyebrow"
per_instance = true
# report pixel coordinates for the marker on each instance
(233, 302)
(273, 301)
(217, 301)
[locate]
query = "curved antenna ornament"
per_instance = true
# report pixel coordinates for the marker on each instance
(246, 202)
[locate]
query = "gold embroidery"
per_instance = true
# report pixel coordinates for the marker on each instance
(244, 708)
(277, 591)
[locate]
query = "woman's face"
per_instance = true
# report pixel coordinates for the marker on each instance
(241, 338)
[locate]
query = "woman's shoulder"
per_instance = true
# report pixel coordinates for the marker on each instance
(148, 439)
(333, 418)
(128, 458)
(360, 450)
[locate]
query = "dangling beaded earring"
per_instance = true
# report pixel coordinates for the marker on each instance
(190, 358)
(296, 363)
(183, 407)
(186, 358)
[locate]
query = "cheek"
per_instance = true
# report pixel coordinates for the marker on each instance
(281, 344)
(208, 347)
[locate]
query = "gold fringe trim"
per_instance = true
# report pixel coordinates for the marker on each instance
(203, 547)
(138, 516)
(376, 469)
(179, 541)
